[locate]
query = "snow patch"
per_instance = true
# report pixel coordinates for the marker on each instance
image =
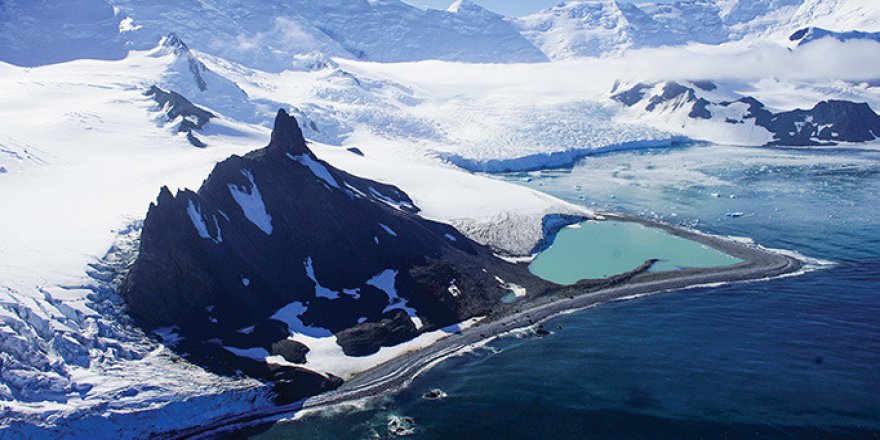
(251, 202)
(388, 230)
(258, 354)
(319, 170)
(320, 291)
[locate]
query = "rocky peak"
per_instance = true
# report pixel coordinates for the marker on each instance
(278, 251)
(172, 42)
(287, 137)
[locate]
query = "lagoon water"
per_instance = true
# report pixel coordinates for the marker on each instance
(795, 357)
(598, 249)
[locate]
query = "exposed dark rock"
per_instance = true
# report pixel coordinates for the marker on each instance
(811, 34)
(827, 123)
(278, 241)
(631, 96)
(175, 105)
(194, 141)
(435, 394)
(291, 351)
(542, 331)
(367, 338)
(294, 384)
(701, 110)
(672, 91)
(705, 85)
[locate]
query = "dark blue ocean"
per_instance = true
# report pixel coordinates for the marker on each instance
(796, 357)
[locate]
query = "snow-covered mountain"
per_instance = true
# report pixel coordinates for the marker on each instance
(588, 28)
(265, 35)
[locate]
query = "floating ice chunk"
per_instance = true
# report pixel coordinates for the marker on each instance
(251, 203)
(450, 237)
(388, 230)
(245, 281)
(319, 170)
(320, 291)
(246, 330)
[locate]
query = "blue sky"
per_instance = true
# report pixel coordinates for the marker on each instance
(506, 7)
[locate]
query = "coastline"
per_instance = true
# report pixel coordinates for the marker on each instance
(758, 264)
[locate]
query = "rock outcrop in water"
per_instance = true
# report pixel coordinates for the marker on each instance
(279, 246)
(827, 123)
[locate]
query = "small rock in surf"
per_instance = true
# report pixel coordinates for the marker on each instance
(401, 426)
(435, 394)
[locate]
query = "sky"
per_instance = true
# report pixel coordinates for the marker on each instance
(506, 7)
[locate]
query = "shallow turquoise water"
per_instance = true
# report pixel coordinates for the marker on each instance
(591, 250)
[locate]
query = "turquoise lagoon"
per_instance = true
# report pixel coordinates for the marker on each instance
(599, 249)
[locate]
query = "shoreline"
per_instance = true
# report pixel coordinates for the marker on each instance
(758, 264)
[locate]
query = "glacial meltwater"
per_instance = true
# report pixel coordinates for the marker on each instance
(598, 249)
(797, 357)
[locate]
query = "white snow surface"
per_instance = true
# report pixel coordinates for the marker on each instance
(319, 170)
(251, 202)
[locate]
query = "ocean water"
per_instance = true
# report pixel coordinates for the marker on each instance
(592, 250)
(796, 357)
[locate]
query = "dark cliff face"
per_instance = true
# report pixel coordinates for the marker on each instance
(827, 123)
(278, 242)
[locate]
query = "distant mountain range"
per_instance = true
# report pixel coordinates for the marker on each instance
(263, 35)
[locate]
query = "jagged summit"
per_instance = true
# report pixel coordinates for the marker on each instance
(173, 42)
(287, 137)
(280, 254)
